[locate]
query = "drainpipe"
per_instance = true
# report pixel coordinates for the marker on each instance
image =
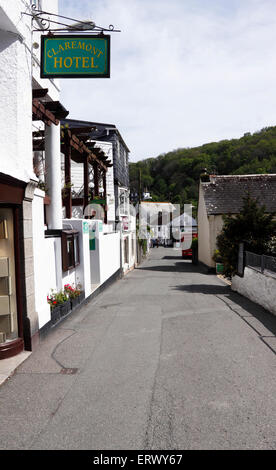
(53, 176)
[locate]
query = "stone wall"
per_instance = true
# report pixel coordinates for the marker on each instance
(261, 288)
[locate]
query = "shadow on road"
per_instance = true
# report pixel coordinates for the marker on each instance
(181, 266)
(250, 311)
(254, 310)
(210, 289)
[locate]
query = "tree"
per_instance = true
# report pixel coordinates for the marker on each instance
(252, 225)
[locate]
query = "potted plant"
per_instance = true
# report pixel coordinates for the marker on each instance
(60, 305)
(219, 262)
(75, 294)
(55, 307)
(65, 304)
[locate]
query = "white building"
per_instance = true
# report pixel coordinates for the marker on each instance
(23, 298)
(158, 216)
(102, 135)
(43, 245)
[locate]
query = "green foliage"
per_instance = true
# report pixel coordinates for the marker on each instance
(174, 176)
(195, 250)
(143, 244)
(252, 225)
(57, 298)
(195, 243)
(217, 256)
(72, 291)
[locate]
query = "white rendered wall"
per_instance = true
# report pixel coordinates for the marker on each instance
(261, 288)
(109, 255)
(204, 250)
(81, 274)
(130, 262)
(15, 108)
(105, 259)
(16, 88)
(44, 261)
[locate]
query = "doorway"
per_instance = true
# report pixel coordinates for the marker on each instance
(8, 289)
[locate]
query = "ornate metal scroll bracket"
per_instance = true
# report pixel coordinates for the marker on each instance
(46, 21)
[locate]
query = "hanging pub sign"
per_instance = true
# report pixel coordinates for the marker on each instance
(71, 56)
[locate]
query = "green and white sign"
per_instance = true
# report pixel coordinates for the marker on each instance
(75, 56)
(85, 227)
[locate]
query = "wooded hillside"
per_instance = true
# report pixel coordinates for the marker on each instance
(174, 176)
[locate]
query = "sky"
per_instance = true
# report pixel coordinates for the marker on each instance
(183, 72)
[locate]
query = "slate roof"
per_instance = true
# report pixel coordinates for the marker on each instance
(101, 129)
(224, 194)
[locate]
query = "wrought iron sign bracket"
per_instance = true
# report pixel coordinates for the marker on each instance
(46, 21)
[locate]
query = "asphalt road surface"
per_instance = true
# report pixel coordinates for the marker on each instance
(166, 358)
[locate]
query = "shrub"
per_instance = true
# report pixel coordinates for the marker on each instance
(217, 258)
(252, 225)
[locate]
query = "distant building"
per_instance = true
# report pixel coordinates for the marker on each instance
(118, 194)
(110, 133)
(146, 196)
(158, 216)
(223, 195)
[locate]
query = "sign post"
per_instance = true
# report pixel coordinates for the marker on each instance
(72, 56)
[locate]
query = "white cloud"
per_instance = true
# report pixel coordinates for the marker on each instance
(183, 72)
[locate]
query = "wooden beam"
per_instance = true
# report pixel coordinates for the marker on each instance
(40, 113)
(80, 147)
(57, 109)
(79, 130)
(40, 92)
(96, 179)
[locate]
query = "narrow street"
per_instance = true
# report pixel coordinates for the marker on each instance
(166, 358)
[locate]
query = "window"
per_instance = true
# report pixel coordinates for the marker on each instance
(70, 249)
(123, 201)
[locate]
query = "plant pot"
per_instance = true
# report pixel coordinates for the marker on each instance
(219, 268)
(65, 308)
(75, 302)
(55, 314)
(81, 297)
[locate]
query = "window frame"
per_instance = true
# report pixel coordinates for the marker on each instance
(73, 237)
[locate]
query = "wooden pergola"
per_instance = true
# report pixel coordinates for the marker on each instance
(76, 146)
